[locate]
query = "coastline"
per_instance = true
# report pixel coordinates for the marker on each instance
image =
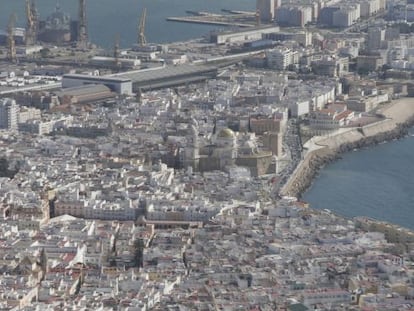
(321, 150)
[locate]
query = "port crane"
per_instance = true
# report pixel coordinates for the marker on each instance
(31, 28)
(116, 52)
(257, 17)
(141, 28)
(11, 44)
(82, 26)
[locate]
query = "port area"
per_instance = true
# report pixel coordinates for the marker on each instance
(231, 18)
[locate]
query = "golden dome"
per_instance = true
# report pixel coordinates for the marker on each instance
(226, 133)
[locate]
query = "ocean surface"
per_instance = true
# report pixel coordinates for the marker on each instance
(109, 18)
(377, 182)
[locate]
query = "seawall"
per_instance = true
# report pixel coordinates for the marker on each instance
(399, 117)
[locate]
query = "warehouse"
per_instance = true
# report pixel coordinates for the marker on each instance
(168, 76)
(85, 93)
(118, 85)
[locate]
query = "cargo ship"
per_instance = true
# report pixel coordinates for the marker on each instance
(56, 28)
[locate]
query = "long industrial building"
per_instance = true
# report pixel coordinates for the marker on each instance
(144, 80)
(116, 84)
(222, 37)
(168, 76)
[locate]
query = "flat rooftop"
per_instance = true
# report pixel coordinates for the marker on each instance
(167, 76)
(165, 72)
(97, 79)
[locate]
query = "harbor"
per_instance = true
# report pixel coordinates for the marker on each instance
(234, 19)
(142, 172)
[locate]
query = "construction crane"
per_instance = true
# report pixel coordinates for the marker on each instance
(82, 41)
(257, 17)
(141, 28)
(31, 27)
(11, 44)
(116, 53)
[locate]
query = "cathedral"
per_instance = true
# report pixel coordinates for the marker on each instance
(224, 149)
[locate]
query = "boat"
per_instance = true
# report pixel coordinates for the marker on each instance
(56, 28)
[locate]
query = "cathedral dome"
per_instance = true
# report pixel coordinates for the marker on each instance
(226, 133)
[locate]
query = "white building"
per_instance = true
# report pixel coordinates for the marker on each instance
(280, 58)
(266, 9)
(330, 119)
(326, 296)
(371, 7)
(292, 15)
(250, 34)
(8, 114)
(37, 127)
(347, 15)
(299, 108)
(29, 113)
(375, 38)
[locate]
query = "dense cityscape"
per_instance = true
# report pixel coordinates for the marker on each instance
(170, 176)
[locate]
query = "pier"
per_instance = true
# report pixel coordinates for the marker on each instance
(240, 19)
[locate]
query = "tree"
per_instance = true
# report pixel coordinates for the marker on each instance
(45, 53)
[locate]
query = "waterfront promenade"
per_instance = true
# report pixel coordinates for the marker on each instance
(400, 110)
(321, 150)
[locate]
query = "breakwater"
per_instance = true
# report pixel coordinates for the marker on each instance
(324, 150)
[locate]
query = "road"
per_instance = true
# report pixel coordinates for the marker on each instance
(293, 150)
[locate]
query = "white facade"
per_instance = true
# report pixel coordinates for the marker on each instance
(299, 108)
(327, 119)
(324, 97)
(304, 38)
(294, 15)
(242, 35)
(28, 113)
(371, 7)
(375, 38)
(279, 59)
(331, 296)
(36, 127)
(8, 114)
(111, 61)
(307, 14)
(266, 9)
(347, 16)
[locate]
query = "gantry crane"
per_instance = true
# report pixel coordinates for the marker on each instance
(257, 17)
(141, 28)
(11, 44)
(116, 52)
(31, 27)
(82, 41)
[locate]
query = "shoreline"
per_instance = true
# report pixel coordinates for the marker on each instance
(322, 150)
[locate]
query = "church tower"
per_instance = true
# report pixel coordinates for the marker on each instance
(192, 148)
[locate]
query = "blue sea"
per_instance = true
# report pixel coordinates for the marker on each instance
(377, 182)
(109, 18)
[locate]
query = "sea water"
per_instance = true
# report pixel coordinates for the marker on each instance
(376, 182)
(109, 18)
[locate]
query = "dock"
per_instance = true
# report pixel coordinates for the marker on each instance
(240, 19)
(239, 12)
